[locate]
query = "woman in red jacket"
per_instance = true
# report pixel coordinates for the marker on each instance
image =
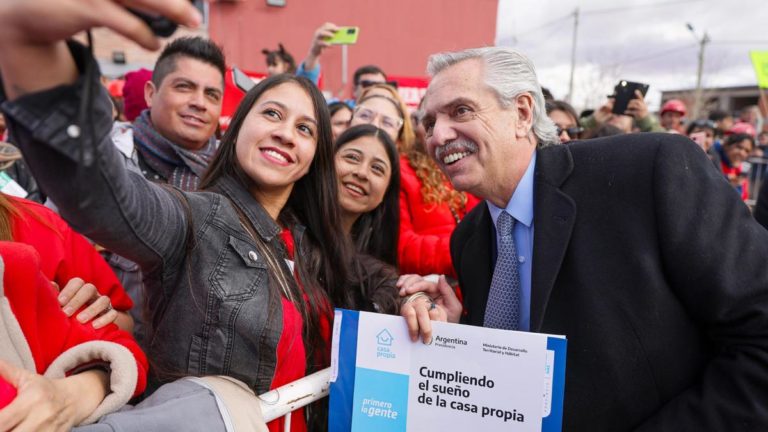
(56, 373)
(430, 209)
(68, 260)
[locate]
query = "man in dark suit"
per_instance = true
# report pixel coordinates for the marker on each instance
(633, 247)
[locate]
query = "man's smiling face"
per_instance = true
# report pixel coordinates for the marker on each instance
(475, 140)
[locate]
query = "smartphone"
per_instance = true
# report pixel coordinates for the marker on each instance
(241, 80)
(345, 36)
(160, 25)
(699, 138)
(625, 92)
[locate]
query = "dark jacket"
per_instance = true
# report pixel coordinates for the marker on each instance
(761, 206)
(207, 287)
(649, 263)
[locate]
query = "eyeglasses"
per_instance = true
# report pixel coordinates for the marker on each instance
(573, 132)
(369, 116)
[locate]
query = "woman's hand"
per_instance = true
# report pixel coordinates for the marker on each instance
(77, 293)
(21, 21)
(438, 303)
(32, 34)
(605, 112)
(44, 404)
(320, 38)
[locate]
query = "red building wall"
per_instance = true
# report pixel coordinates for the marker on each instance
(397, 35)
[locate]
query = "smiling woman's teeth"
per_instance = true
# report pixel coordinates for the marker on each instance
(355, 188)
(453, 157)
(276, 155)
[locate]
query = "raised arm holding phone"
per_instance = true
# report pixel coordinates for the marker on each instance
(629, 102)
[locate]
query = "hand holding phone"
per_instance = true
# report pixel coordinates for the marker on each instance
(344, 36)
(160, 25)
(625, 92)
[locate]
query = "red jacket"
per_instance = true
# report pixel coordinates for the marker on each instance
(65, 254)
(35, 333)
(425, 230)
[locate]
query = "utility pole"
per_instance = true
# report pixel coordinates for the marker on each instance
(697, 101)
(569, 98)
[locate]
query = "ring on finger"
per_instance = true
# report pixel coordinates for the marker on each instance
(432, 306)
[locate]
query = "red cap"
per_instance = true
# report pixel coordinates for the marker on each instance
(741, 128)
(674, 105)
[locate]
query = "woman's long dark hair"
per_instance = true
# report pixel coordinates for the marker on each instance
(322, 261)
(376, 232)
(335, 107)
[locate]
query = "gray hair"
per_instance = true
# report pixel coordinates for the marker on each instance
(509, 73)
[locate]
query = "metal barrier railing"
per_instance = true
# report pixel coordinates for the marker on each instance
(757, 172)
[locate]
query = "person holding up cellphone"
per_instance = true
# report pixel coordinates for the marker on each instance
(310, 66)
(636, 114)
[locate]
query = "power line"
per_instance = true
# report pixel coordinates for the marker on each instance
(545, 25)
(740, 42)
(654, 55)
(628, 8)
(606, 10)
(553, 32)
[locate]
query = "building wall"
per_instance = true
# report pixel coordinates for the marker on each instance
(106, 41)
(397, 35)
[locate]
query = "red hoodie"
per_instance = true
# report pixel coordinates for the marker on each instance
(35, 333)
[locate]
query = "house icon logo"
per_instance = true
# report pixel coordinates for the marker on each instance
(384, 349)
(384, 338)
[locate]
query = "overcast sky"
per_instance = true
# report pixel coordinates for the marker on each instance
(635, 40)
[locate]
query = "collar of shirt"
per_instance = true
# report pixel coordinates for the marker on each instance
(520, 206)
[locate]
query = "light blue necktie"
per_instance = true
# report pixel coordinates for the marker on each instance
(503, 308)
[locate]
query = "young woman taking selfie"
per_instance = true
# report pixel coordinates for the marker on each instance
(222, 297)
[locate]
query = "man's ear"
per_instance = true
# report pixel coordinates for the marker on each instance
(149, 92)
(524, 108)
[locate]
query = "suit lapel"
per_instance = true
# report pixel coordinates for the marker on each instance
(554, 215)
(478, 266)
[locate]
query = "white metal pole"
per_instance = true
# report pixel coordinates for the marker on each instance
(569, 98)
(344, 68)
(290, 397)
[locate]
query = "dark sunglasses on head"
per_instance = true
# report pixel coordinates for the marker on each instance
(367, 83)
(573, 132)
(704, 123)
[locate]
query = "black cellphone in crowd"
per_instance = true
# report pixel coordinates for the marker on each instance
(625, 92)
(160, 25)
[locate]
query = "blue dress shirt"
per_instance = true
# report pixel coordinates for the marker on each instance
(520, 206)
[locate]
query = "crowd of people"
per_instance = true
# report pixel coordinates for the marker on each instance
(222, 254)
(728, 143)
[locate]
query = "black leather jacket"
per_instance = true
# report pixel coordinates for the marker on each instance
(211, 307)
